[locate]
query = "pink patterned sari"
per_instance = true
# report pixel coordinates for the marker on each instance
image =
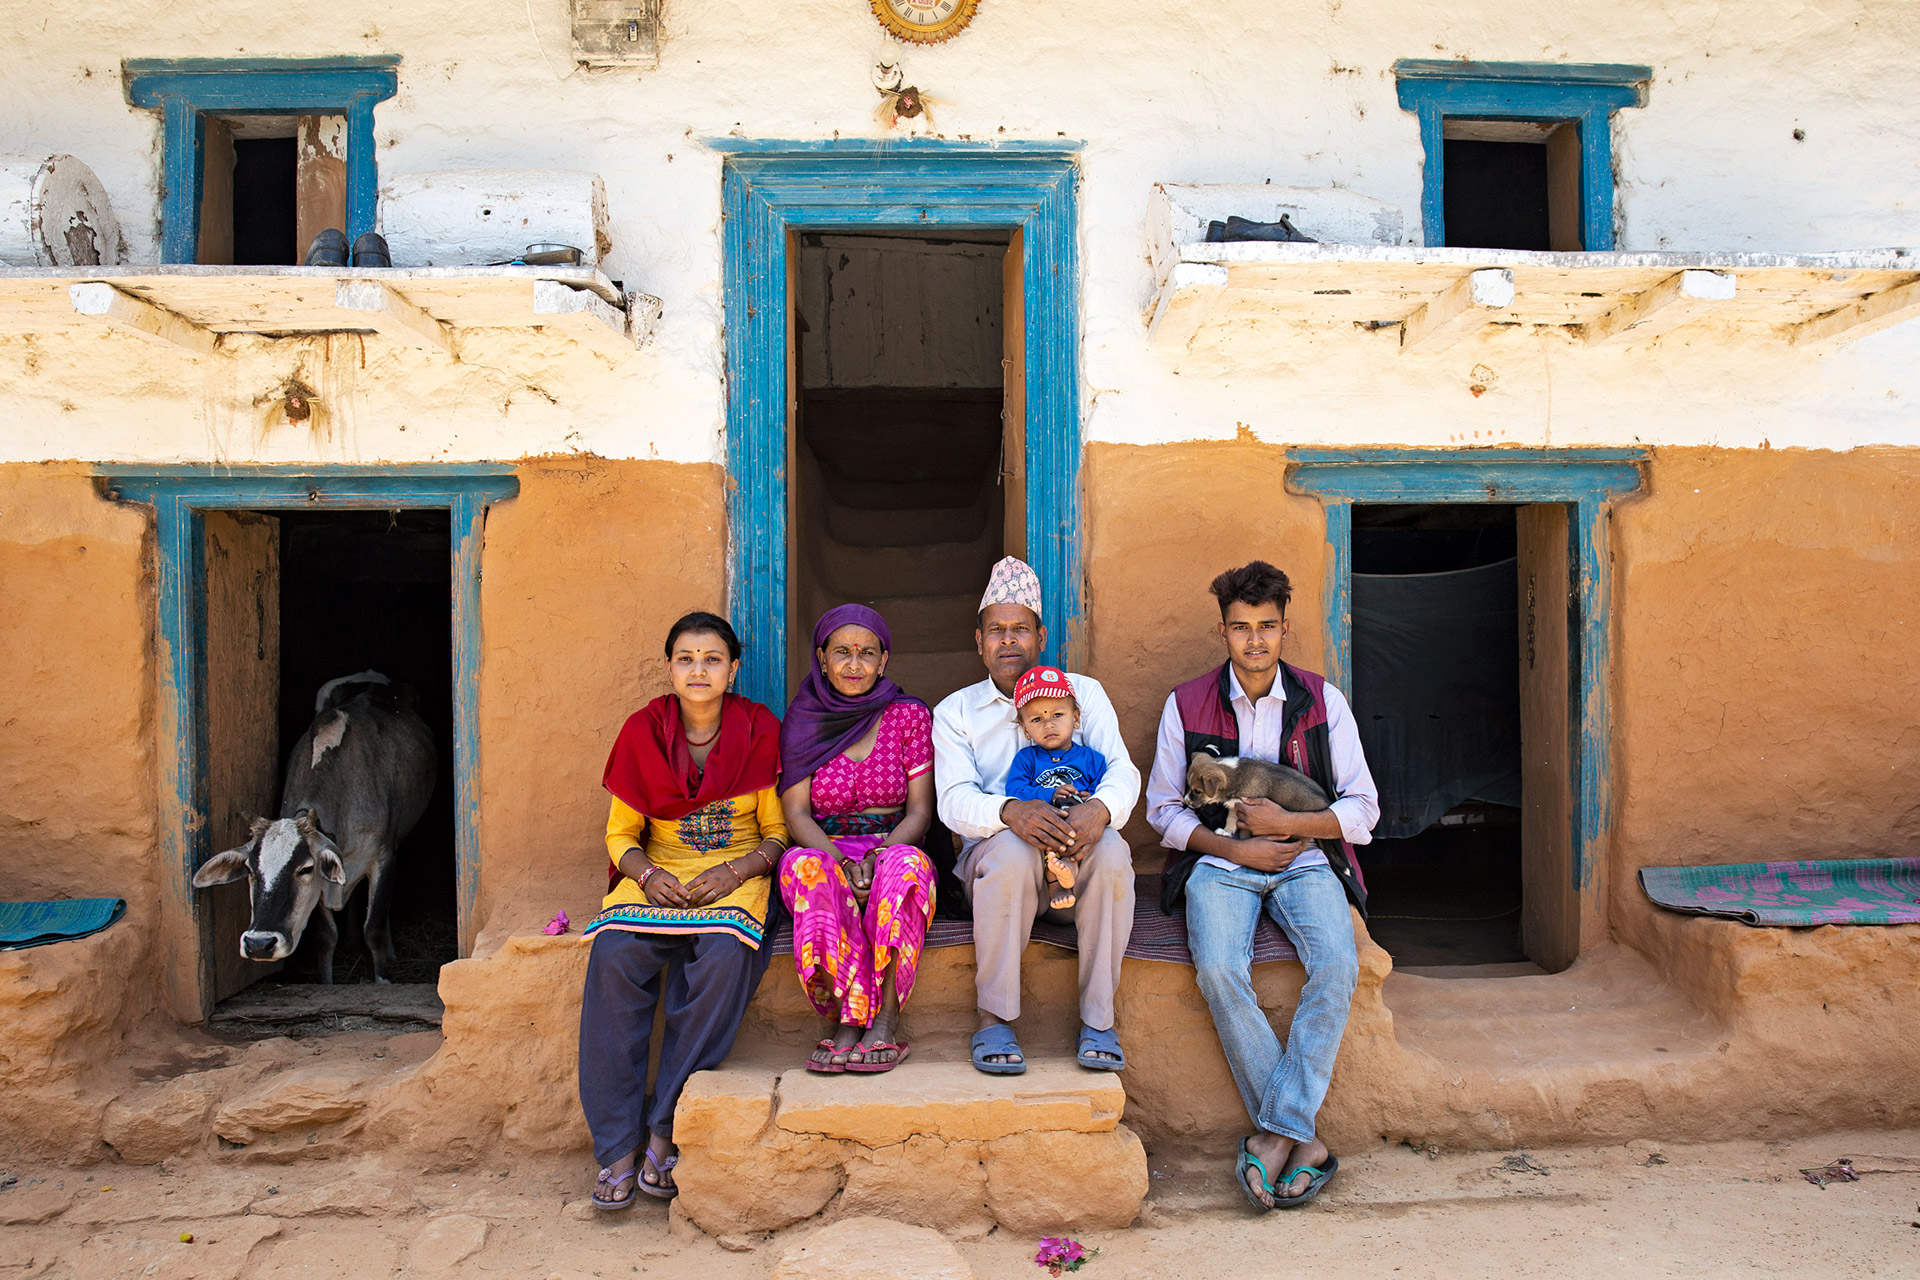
(840, 951)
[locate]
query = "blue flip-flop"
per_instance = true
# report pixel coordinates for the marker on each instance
(1316, 1179)
(996, 1041)
(1092, 1042)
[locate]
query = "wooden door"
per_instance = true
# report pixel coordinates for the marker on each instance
(320, 178)
(1550, 914)
(216, 194)
(243, 701)
(1013, 412)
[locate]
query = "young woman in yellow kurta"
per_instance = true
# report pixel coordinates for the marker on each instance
(694, 832)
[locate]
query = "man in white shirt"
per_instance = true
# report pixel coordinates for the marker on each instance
(1001, 865)
(1256, 706)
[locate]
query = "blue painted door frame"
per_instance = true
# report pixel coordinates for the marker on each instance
(187, 90)
(179, 497)
(772, 189)
(1586, 481)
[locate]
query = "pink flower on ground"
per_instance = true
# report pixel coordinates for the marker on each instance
(1059, 1254)
(558, 925)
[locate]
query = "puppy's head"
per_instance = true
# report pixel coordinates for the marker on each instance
(1207, 780)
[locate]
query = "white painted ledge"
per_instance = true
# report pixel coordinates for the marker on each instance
(1221, 293)
(188, 307)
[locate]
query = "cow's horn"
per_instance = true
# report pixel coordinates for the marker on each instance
(304, 821)
(256, 826)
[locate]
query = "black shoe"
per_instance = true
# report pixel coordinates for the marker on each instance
(329, 249)
(370, 250)
(1239, 229)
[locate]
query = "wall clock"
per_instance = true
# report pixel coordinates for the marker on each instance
(924, 21)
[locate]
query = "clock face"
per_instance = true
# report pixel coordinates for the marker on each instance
(924, 21)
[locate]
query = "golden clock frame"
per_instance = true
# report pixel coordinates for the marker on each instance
(953, 25)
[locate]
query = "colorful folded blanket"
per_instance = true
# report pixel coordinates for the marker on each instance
(34, 924)
(1156, 935)
(1794, 894)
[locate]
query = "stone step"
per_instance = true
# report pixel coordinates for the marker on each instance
(932, 676)
(933, 1144)
(937, 568)
(866, 526)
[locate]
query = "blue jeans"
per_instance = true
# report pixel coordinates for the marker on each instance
(1282, 1089)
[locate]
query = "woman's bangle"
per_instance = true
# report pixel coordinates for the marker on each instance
(645, 875)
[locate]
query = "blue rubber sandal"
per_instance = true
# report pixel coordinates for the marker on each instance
(1092, 1042)
(1248, 1160)
(1316, 1179)
(996, 1041)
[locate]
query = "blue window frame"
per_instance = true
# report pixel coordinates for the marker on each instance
(772, 189)
(187, 90)
(1585, 481)
(179, 496)
(1586, 94)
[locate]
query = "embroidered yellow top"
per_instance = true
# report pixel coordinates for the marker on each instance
(685, 847)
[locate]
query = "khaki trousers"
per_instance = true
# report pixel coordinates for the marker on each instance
(1004, 878)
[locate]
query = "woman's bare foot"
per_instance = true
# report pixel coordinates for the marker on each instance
(882, 1031)
(657, 1172)
(615, 1186)
(845, 1036)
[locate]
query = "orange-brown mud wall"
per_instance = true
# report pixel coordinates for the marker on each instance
(76, 791)
(1766, 639)
(582, 575)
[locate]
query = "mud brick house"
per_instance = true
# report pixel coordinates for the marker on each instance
(1584, 417)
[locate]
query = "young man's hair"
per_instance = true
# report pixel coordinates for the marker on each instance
(1252, 584)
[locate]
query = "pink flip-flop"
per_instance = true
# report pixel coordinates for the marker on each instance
(826, 1068)
(875, 1068)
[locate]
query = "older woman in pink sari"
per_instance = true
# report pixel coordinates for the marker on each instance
(856, 757)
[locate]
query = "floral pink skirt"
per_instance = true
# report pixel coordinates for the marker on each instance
(841, 952)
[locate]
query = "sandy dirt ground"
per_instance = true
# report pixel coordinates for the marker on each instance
(1724, 1209)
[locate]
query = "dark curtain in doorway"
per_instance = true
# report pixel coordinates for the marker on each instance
(1436, 690)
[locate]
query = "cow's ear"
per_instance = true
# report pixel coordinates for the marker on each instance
(329, 863)
(222, 868)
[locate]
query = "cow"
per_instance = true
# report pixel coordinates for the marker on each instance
(357, 782)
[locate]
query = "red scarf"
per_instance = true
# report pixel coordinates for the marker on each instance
(651, 766)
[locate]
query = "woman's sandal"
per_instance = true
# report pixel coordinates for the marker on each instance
(900, 1052)
(828, 1068)
(664, 1189)
(611, 1183)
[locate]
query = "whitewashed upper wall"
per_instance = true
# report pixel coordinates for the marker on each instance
(1199, 92)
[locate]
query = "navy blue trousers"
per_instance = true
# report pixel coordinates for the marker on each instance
(702, 981)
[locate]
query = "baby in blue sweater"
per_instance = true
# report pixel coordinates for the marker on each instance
(1052, 767)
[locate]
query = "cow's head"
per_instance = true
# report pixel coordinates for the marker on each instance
(284, 861)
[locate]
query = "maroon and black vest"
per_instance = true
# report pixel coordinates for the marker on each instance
(1205, 704)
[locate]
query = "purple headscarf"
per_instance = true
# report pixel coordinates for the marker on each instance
(822, 722)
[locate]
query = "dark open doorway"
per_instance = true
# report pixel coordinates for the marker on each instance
(294, 600)
(903, 494)
(1437, 693)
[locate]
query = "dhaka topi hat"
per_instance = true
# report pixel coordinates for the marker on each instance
(1013, 581)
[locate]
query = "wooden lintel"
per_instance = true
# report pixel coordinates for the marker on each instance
(583, 316)
(1871, 314)
(1681, 297)
(384, 311)
(128, 314)
(1466, 305)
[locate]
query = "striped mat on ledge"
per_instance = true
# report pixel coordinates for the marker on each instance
(1156, 935)
(1793, 894)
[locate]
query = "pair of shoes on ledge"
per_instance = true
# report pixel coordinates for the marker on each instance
(329, 249)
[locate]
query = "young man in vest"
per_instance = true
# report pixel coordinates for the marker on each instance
(1257, 706)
